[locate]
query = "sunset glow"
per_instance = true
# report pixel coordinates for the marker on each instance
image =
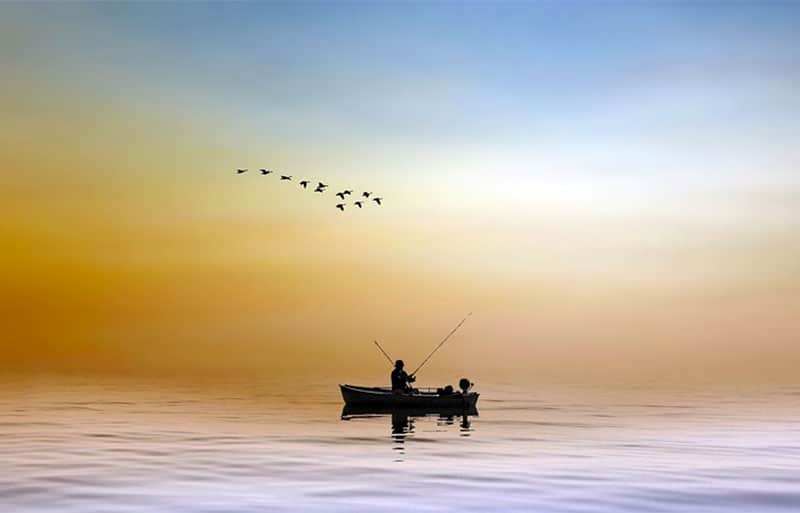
(610, 208)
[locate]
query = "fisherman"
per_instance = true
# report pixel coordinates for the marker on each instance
(400, 378)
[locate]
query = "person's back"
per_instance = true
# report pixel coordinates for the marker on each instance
(400, 378)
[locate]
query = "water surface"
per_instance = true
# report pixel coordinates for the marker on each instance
(101, 445)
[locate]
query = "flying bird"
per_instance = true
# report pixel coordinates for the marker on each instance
(321, 185)
(359, 204)
(286, 177)
(377, 200)
(265, 171)
(319, 189)
(340, 206)
(340, 194)
(240, 171)
(365, 194)
(304, 183)
(347, 191)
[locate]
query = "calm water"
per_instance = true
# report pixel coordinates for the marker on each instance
(75, 446)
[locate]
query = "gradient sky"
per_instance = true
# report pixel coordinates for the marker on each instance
(612, 188)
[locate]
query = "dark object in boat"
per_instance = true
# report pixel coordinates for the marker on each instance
(448, 390)
(416, 398)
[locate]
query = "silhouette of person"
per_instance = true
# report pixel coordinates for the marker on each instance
(400, 378)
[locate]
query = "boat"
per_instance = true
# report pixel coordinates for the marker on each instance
(355, 395)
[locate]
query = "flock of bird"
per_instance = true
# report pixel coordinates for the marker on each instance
(321, 187)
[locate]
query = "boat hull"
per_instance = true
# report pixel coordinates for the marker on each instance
(383, 397)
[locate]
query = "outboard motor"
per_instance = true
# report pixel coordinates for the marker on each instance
(464, 384)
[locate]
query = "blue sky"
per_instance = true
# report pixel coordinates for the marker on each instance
(452, 71)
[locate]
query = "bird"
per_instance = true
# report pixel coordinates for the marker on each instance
(365, 194)
(347, 191)
(377, 200)
(319, 189)
(240, 171)
(340, 206)
(340, 194)
(359, 204)
(286, 177)
(304, 183)
(265, 171)
(321, 185)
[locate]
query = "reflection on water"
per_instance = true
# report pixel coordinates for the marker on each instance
(402, 426)
(71, 446)
(402, 421)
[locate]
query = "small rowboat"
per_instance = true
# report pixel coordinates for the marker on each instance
(354, 395)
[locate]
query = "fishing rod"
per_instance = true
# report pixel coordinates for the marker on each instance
(441, 343)
(382, 351)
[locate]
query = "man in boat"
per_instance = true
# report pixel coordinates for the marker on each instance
(400, 378)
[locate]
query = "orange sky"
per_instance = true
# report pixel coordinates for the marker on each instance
(131, 246)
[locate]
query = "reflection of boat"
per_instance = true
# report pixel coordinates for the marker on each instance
(359, 411)
(403, 420)
(418, 398)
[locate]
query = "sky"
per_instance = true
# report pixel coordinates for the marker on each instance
(611, 188)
